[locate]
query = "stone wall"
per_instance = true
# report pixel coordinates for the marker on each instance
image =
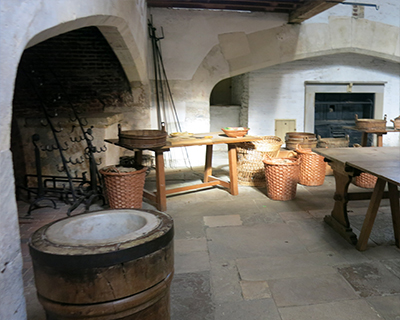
(25, 24)
(79, 68)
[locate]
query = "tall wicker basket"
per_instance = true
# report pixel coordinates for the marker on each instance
(250, 166)
(124, 189)
(281, 176)
(312, 168)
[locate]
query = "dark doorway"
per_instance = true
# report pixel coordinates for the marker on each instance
(334, 111)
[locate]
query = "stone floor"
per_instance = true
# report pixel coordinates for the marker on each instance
(248, 257)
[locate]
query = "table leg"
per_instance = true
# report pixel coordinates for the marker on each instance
(208, 165)
(371, 214)
(338, 219)
(138, 156)
(379, 140)
(232, 156)
(161, 197)
(395, 208)
(364, 139)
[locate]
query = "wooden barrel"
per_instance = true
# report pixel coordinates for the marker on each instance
(143, 139)
(104, 265)
(300, 139)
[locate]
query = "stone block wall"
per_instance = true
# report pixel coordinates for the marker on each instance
(77, 67)
(12, 304)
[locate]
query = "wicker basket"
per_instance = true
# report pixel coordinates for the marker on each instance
(364, 180)
(333, 142)
(250, 166)
(281, 176)
(312, 168)
(302, 139)
(124, 189)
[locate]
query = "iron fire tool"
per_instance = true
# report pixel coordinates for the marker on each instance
(78, 193)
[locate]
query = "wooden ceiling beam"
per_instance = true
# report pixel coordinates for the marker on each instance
(298, 10)
(253, 5)
(309, 9)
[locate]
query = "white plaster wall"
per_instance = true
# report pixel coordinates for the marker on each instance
(191, 34)
(278, 92)
(237, 48)
(25, 23)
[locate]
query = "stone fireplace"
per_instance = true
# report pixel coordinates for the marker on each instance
(68, 88)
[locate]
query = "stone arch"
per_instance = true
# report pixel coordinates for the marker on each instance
(32, 30)
(237, 54)
(118, 35)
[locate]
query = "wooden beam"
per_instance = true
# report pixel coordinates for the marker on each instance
(253, 5)
(309, 9)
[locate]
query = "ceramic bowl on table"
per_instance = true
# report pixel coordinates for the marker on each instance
(235, 132)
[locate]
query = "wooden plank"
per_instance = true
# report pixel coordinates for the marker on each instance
(372, 154)
(309, 9)
(200, 140)
(372, 130)
(179, 142)
(221, 182)
(192, 187)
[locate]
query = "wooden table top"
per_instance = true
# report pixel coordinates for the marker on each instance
(383, 162)
(383, 131)
(198, 139)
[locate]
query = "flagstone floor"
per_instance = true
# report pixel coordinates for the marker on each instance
(248, 257)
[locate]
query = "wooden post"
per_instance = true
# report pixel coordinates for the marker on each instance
(232, 154)
(208, 164)
(161, 197)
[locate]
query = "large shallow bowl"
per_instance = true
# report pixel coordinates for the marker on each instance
(235, 132)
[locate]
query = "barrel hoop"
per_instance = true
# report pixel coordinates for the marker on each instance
(100, 260)
(111, 309)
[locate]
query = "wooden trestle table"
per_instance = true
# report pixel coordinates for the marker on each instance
(382, 162)
(208, 139)
(378, 132)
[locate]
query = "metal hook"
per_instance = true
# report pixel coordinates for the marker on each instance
(60, 129)
(48, 148)
(78, 139)
(66, 146)
(84, 121)
(76, 161)
(72, 118)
